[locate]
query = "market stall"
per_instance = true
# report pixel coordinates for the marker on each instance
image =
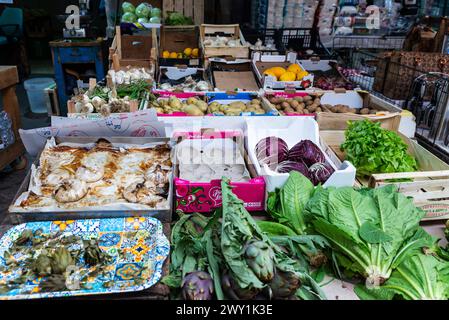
(201, 166)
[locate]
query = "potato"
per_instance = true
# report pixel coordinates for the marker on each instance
(255, 101)
(193, 110)
(294, 104)
(309, 102)
(274, 100)
(312, 108)
(259, 111)
(364, 111)
(160, 110)
(307, 98)
(289, 110)
(299, 99)
(317, 101)
(302, 105)
(278, 107)
(319, 109)
(238, 105)
(285, 105)
(192, 100)
(306, 111)
(201, 105)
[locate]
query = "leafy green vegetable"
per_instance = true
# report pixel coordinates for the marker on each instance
(275, 229)
(370, 231)
(419, 277)
(177, 19)
(372, 149)
(287, 204)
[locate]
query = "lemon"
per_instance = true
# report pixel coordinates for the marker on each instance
(301, 74)
(173, 55)
(295, 68)
(188, 52)
(166, 54)
(288, 76)
(195, 53)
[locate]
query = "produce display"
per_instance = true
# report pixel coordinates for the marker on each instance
(100, 176)
(229, 257)
(188, 53)
(218, 41)
(372, 149)
(175, 18)
(308, 104)
(294, 72)
(143, 13)
(106, 100)
(130, 75)
(193, 106)
(236, 108)
(305, 157)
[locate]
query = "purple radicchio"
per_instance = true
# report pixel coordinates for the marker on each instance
(320, 172)
(271, 151)
(288, 166)
(306, 151)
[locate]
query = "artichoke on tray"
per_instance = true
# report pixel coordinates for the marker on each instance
(42, 265)
(92, 253)
(260, 258)
(197, 285)
(61, 260)
(284, 284)
(234, 292)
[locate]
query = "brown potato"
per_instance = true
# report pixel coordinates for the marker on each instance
(306, 111)
(312, 108)
(364, 111)
(274, 100)
(299, 99)
(309, 102)
(278, 107)
(289, 110)
(294, 103)
(307, 98)
(285, 105)
(317, 101)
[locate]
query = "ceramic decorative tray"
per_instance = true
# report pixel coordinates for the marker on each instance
(141, 242)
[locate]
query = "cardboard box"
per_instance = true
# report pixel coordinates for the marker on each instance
(194, 196)
(178, 74)
(232, 74)
(292, 130)
(263, 62)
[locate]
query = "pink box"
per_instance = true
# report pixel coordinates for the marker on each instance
(204, 197)
(179, 95)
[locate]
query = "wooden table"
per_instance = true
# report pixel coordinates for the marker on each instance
(8, 80)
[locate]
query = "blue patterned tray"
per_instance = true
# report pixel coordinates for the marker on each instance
(144, 252)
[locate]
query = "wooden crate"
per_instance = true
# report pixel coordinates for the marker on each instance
(190, 8)
(133, 50)
(230, 31)
(429, 187)
(8, 80)
(176, 39)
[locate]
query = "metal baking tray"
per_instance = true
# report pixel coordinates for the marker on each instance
(164, 215)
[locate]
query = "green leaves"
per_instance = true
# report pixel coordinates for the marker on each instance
(287, 204)
(372, 149)
(372, 234)
(419, 277)
(370, 231)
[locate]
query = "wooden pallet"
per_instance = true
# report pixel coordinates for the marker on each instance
(8, 80)
(190, 8)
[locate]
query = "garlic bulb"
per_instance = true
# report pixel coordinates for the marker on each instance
(87, 108)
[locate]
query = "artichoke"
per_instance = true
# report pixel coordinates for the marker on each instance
(197, 285)
(317, 260)
(260, 258)
(284, 284)
(42, 265)
(234, 292)
(61, 259)
(26, 236)
(54, 283)
(92, 253)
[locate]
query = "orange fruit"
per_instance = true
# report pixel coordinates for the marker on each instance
(295, 68)
(288, 76)
(195, 53)
(173, 55)
(301, 74)
(278, 71)
(166, 54)
(270, 72)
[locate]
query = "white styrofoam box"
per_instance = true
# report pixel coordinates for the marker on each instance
(350, 98)
(292, 130)
(312, 65)
(270, 82)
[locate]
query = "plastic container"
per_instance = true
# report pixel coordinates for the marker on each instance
(37, 97)
(292, 130)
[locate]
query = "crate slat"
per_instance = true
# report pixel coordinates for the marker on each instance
(188, 8)
(179, 6)
(168, 5)
(198, 17)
